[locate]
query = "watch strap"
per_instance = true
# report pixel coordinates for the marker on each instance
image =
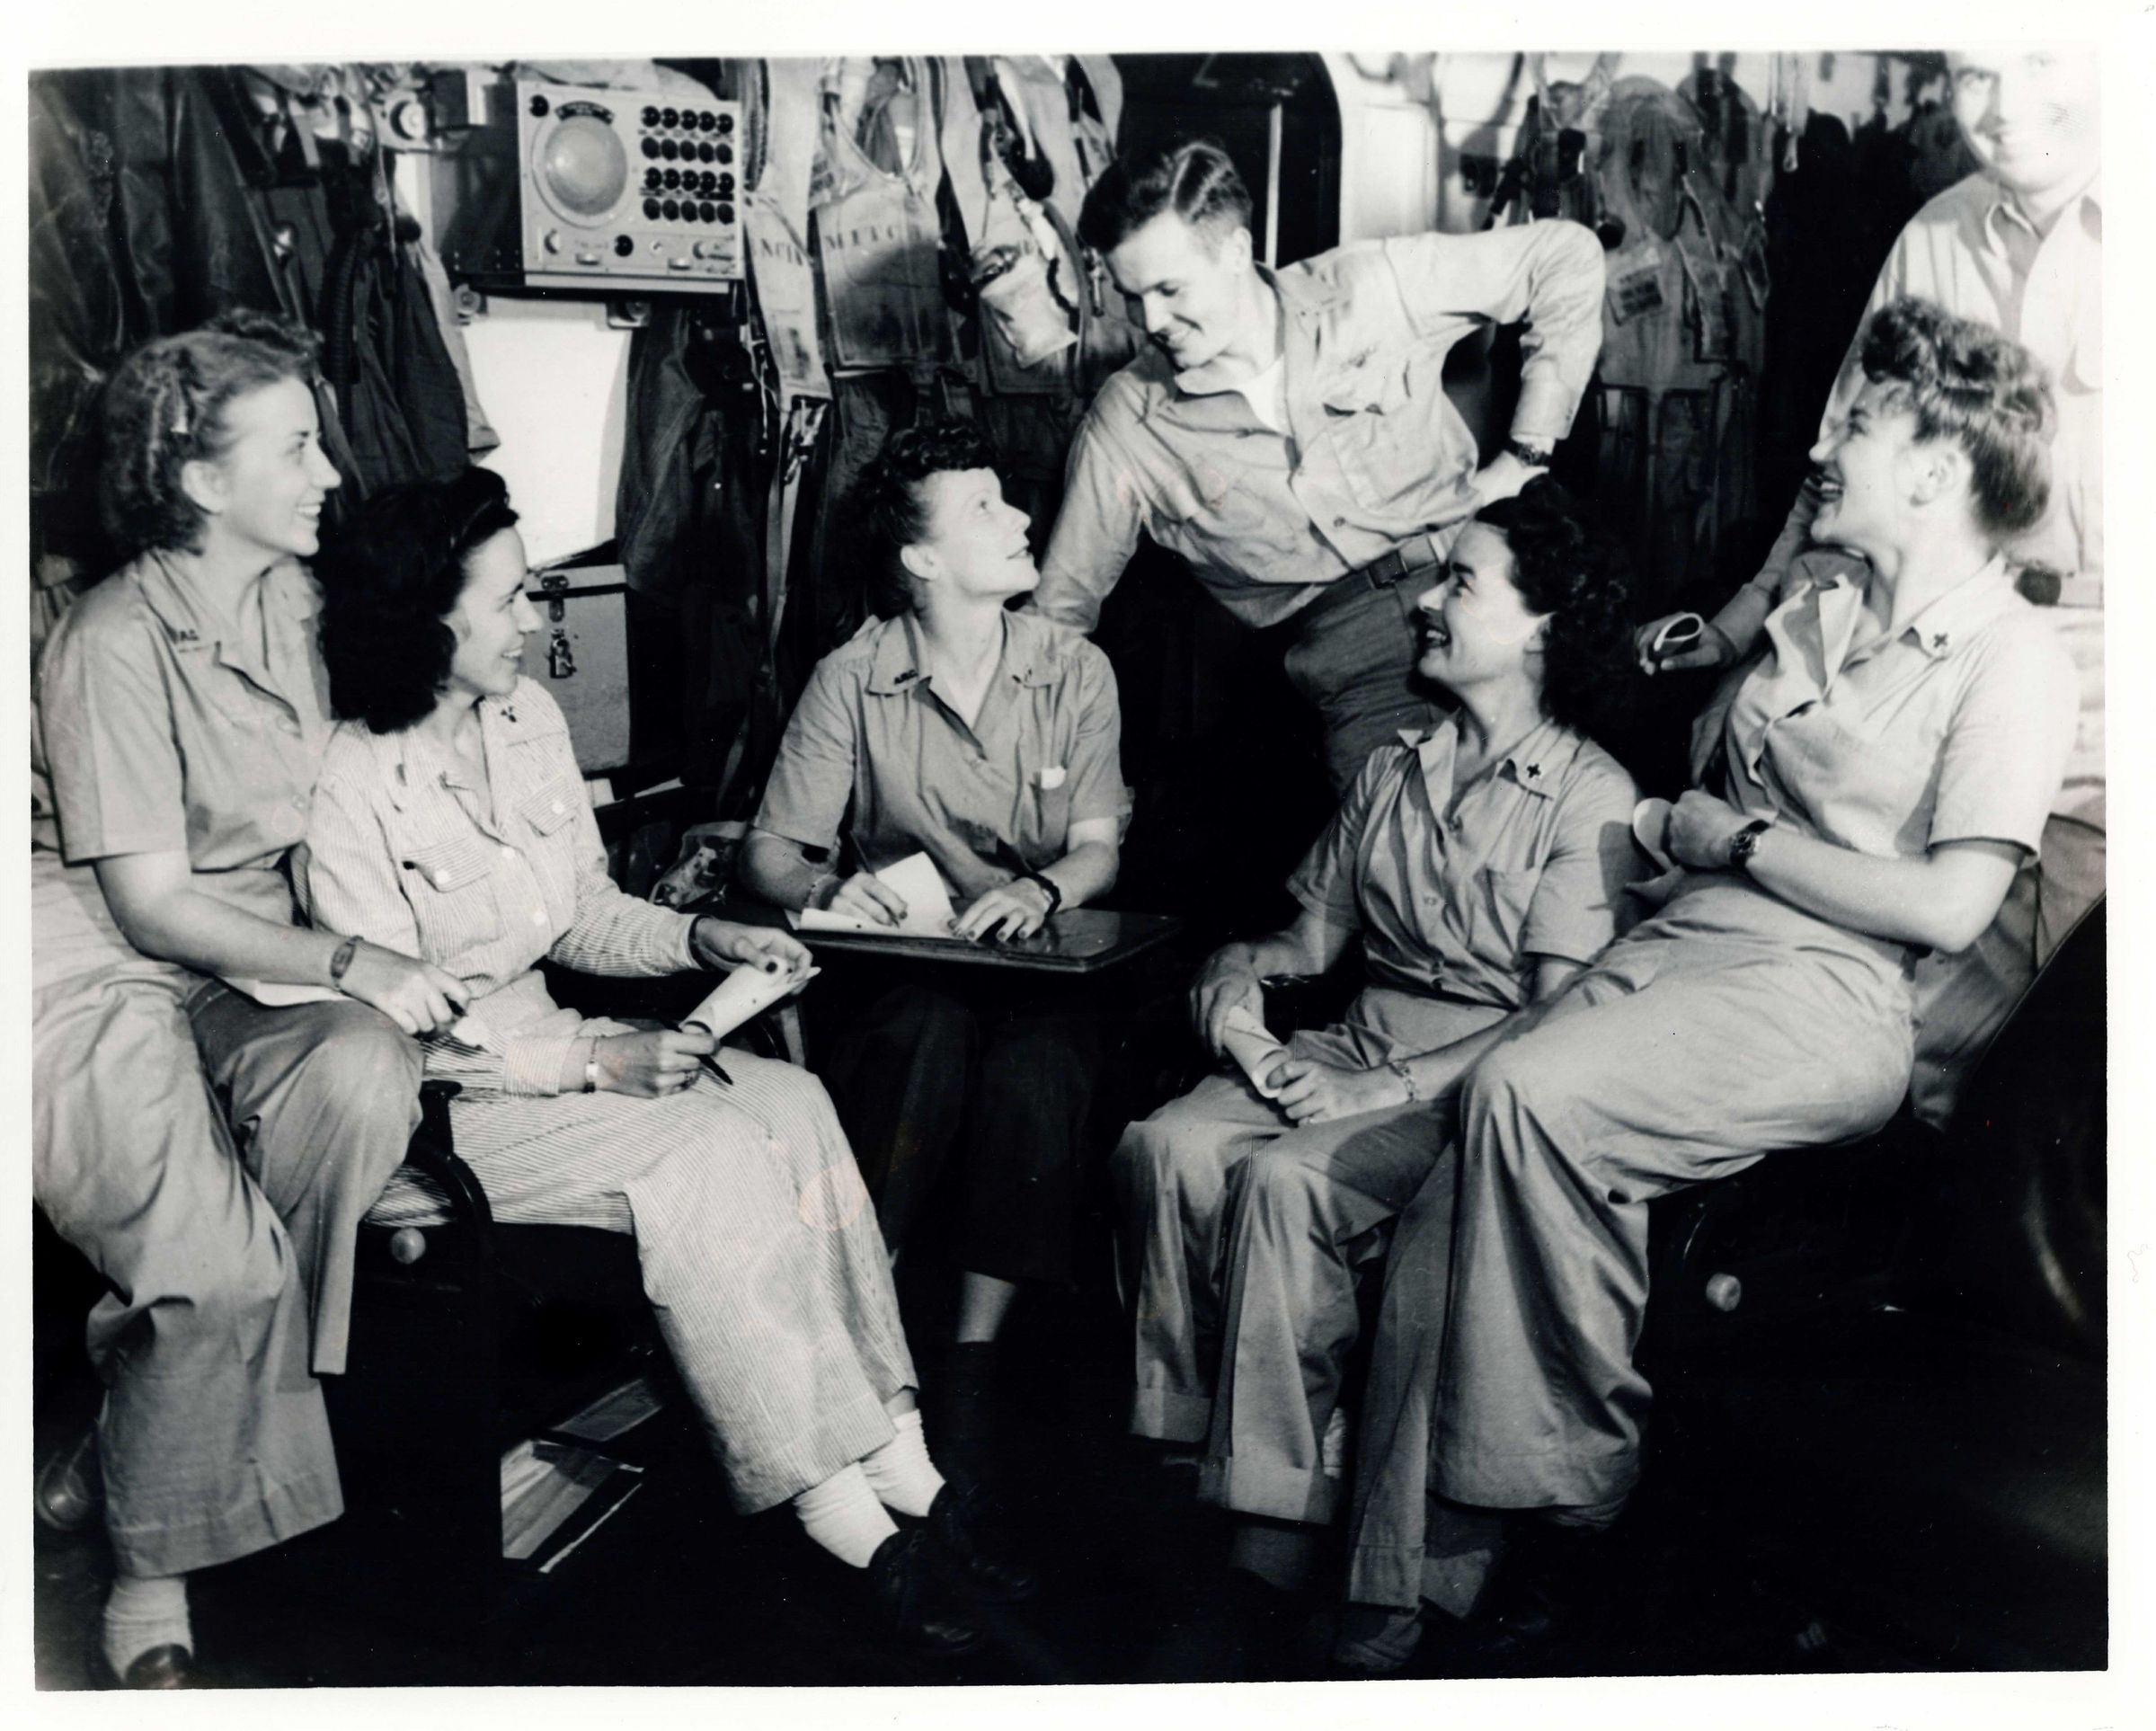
(1055, 896)
(1745, 843)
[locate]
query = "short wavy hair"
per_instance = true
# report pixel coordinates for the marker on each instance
(391, 575)
(1963, 381)
(893, 509)
(1195, 178)
(1566, 568)
(166, 406)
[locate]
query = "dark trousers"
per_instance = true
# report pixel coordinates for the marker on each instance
(1003, 1079)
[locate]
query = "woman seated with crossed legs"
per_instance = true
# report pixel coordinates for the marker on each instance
(451, 821)
(1865, 791)
(988, 739)
(1479, 866)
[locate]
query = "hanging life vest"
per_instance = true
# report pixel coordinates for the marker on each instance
(877, 237)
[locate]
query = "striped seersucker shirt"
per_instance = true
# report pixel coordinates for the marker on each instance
(404, 850)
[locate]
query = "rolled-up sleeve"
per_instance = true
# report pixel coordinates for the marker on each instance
(812, 781)
(2006, 748)
(1097, 783)
(1326, 884)
(1549, 274)
(1098, 524)
(118, 784)
(1580, 896)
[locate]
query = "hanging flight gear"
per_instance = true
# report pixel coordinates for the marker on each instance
(1677, 199)
(877, 237)
(781, 118)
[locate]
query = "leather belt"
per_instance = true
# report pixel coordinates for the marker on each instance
(1414, 557)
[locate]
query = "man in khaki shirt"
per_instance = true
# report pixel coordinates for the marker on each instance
(1288, 433)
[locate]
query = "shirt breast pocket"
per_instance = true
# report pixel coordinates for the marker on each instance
(451, 888)
(549, 814)
(1048, 792)
(1221, 510)
(1397, 439)
(1498, 903)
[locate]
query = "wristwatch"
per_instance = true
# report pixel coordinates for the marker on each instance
(1055, 896)
(1535, 457)
(340, 959)
(1746, 843)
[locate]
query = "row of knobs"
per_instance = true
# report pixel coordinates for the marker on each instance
(686, 210)
(682, 151)
(706, 185)
(693, 120)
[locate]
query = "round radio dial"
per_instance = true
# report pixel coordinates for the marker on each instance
(583, 166)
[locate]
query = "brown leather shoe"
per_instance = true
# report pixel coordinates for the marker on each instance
(171, 1666)
(70, 1489)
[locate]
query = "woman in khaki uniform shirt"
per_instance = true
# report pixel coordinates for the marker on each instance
(1477, 868)
(179, 721)
(989, 740)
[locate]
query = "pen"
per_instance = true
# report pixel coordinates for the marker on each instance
(711, 1064)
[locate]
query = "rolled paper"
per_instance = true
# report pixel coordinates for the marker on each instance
(1252, 1045)
(747, 991)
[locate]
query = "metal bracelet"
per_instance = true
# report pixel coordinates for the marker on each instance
(1407, 1078)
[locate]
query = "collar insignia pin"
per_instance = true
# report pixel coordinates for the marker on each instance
(1939, 640)
(1534, 772)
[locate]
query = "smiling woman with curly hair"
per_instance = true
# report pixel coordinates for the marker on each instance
(1478, 866)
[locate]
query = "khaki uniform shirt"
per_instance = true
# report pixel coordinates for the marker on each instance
(1955, 729)
(153, 734)
(1456, 899)
(873, 749)
(1374, 451)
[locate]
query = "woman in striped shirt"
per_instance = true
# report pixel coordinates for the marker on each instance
(450, 823)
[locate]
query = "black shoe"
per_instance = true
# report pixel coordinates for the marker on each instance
(171, 1666)
(70, 1490)
(908, 1599)
(967, 1541)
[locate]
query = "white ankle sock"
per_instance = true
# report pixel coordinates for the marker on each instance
(900, 1472)
(843, 1515)
(145, 1611)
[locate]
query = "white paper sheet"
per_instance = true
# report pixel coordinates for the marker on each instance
(1252, 1045)
(1651, 831)
(917, 883)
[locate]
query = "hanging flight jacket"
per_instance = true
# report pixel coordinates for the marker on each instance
(877, 237)
(402, 400)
